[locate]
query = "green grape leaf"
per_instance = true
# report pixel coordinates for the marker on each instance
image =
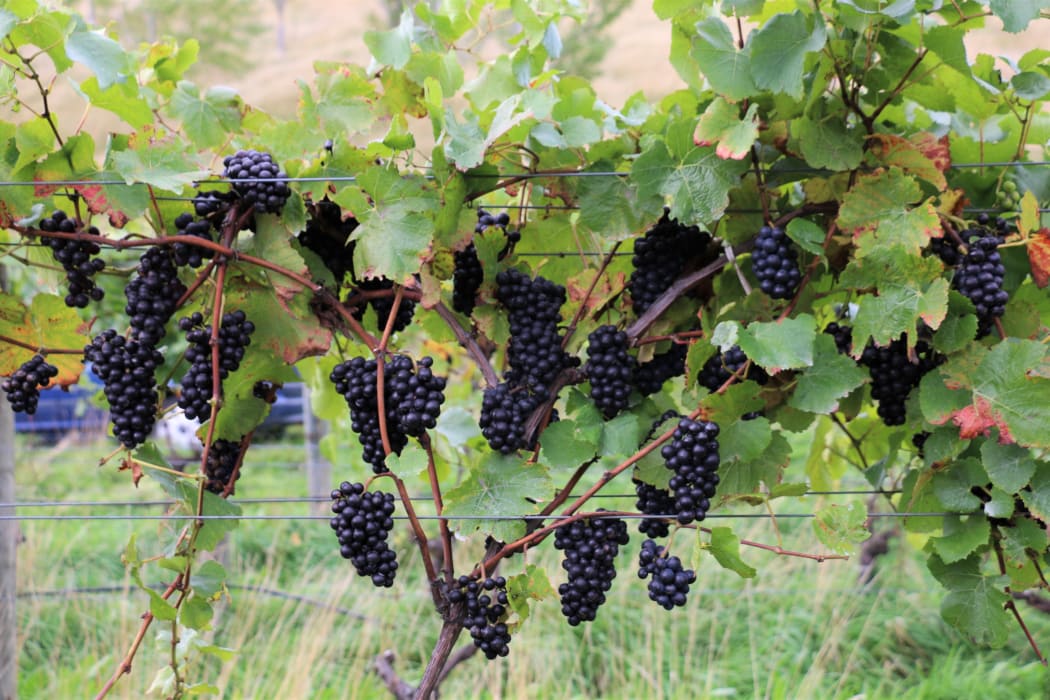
(209, 578)
(897, 308)
(162, 164)
(780, 345)
(740, 475)
(271, 242)
(608, 206)
(246, 411)
(46, 323)
(101, 55)
(208, 120)
(721, 126)
(284, 325)
(698, 185)
(214, 529)
(725, 546)
(1037, 500)
(828, 143)
(962, 537)
(779, 50)
(195, 612)
(831, 377)
(526, 587)
(841, 527)
(122, 99)
(33, 140)
(727, 68)
(1016, 14)
(952, 485)
(499, 485)
(975, 602)
(878, 211)
(565, 446)
(392, 47)
(807, 235)
(1010, 467)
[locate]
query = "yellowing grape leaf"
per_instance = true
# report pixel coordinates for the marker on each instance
(1039, 257)
(46, 324)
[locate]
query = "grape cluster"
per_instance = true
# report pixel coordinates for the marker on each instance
(501, 220)
(415, 392)
(893, 375)
(258, 180)
(979, 278)
(362, 522)
(208, 203)
(1008, 195)
(590, 548)
(76, 258)
(653, 501)
(412, 401)
(126, 368)
(220, 464)
(467, 276)
(946, 248)
(659, 258)
(843, 336)
(505, 408)
(486, 613)
(328, 235)
(23, 387)
(152, 295)
(187, 253)
(669, 585)
(384, 305)
(692, 454)
(234, 336)
(649, 377)
(775, 263)
(609, 369)
(722, 365)
(534, 354)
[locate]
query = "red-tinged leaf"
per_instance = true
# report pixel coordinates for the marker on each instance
(937, 150)
(94, 197)
(978, 419)
(42, 191)
(134, 467)
(896, 150)
(721, 125)
(117, 219)
(1039, 257)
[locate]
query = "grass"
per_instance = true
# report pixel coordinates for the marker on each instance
(799, 630)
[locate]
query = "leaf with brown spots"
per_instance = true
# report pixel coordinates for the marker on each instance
(1039, 257)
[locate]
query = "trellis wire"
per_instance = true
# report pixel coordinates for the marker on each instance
(454, 516)
(324, 499)
(522, 175)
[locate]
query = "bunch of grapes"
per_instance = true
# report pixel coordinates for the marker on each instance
(485, 603)
(893, 375)
(653, 501)
(650, 376)
(257, 180)
(187, 253)
(221, 463)
(843, 336)
(415, 393)
(126, 368)
(328, 235)
(505, 408)
(775, 263)
(467, 276)
(76, 258)
(723, 365)
(1008, 195)
(947, 249)
(152, 295)
(692, 454)
(362, 522)
(501, 220)
(534, 354)
(660, 257)
(979, 278)
(609, 369)
(209, 203)
(669, 586)
(23, 387)
(590, 548)
(384, 305)
(234, 336)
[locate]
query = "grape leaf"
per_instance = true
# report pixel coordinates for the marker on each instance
(953, 485)
(195, 612)
(962, 537)
(1016, 14)
(1010, 467)
(974, 604)
(161, 164)
(1037, 500)
(530, 585)
(909, 156)
(207, 120)
(698, 185)
(779, 49)
(565, 446)
(828, 143)
(721, 126)
(1039, 257)
(878, 212)
(499, 485)
(725, 546)
(727, 68)
(46, 323)
(285, 325)
(831, 377)
(841, 527)
(780, 345)
(100, 54)
(743, 476)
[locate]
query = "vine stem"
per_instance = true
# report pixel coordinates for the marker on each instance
(379, 352)
(439, 505)
(125, 664)
(468, 342)
(417, 529)
(582, 308)
(40, 350)
(777, 549)
(1011, 605)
